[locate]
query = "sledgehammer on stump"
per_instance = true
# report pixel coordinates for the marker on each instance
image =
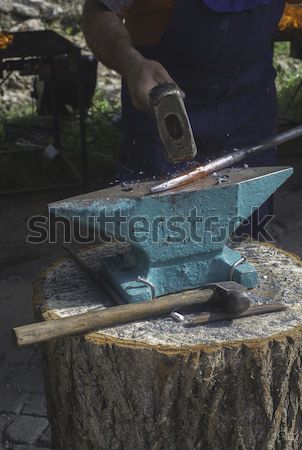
(229, 297)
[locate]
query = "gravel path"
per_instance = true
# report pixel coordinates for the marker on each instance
(23, 416)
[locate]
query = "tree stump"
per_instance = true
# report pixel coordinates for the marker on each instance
(157, 385)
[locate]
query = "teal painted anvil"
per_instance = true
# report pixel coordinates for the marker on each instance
(177, 239)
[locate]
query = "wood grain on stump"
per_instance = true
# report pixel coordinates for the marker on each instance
(157, 385)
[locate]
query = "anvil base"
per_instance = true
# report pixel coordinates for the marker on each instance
(125, 275)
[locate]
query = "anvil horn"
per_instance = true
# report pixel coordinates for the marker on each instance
(253, 193)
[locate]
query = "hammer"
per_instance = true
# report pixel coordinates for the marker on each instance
(173, 123)
(228, 297)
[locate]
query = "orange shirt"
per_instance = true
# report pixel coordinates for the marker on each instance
(146, 21)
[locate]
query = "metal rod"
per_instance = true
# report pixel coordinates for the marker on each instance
(149, 284)
(55, 112)
(5, 78)
(235, 265)
(82, 121)
(228, 160)
(69, 164)
(207, 317)
(39, 190)
(23, 151)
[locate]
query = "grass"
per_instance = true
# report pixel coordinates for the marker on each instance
(103, 139)
(289, 77)
(20, 127)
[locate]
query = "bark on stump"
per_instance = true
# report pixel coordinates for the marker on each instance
(157, 385)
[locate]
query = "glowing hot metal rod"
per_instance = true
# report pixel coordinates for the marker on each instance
(227, 160)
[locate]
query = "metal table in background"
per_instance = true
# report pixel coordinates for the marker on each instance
(35, 51)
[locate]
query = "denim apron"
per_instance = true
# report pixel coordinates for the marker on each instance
(220, 54)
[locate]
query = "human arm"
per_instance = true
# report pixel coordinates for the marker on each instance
(109, 40)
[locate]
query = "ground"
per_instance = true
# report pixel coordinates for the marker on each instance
(23, 417)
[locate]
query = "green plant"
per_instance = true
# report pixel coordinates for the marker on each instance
(288, 82)
(102, 137)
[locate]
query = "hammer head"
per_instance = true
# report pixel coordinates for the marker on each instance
(230, 297)
(173, 122)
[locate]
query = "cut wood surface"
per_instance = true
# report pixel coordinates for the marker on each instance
(158, 385)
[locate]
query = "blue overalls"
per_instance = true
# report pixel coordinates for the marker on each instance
(220, 54)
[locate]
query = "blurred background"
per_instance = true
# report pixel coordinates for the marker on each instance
(25, 108)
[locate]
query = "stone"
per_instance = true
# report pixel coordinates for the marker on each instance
(36, 360)
(45, 439)
(6, 20)
(36, 406)
(4, 375)
(9, 9)
(6, 6)
(29, 25)
(51, 11)
(20, 356)
(28, 379)
(25, 10)
(26, 429)
(5, 420)
(33, 3)
(11, 401)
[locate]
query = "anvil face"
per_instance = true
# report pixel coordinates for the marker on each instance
(177, 237)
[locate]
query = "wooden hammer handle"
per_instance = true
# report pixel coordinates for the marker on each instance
(104, 318)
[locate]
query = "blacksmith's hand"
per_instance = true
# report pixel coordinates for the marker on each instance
(142, 75)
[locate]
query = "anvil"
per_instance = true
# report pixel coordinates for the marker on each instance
(177, 239)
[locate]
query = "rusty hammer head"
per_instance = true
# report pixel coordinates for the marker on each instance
(229, 297)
